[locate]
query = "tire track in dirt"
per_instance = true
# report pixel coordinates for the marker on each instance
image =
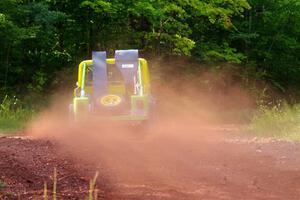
(220, 170)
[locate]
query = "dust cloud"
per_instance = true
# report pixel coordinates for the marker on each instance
(166, 151)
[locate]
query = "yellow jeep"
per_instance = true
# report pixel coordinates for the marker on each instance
(115, 88)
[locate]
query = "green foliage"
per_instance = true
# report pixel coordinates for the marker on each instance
(28, 34)
(12, 114)
(280, 121)
(2, 185)
(224, 53)
(39, 39)
(269, 36)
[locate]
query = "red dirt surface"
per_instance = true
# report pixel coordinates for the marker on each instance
(25, 165)
(159, 167)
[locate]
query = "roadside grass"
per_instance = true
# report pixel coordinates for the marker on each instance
(2, 185)
(13, 116)
(281, 121)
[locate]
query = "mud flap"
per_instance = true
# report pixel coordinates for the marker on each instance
(80, 108)
(140, 105)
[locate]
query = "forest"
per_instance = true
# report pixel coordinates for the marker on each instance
(258, 40)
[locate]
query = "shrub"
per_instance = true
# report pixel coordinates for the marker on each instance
(13, 115)
(280, 121)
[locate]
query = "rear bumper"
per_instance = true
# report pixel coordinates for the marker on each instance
(130, 117)
(81, 109)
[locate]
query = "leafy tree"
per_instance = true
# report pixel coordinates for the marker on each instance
(32, 52)
(269, 36)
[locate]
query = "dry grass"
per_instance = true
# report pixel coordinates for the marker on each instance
(92, 192)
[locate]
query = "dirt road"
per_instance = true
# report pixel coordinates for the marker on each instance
(221, 166)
